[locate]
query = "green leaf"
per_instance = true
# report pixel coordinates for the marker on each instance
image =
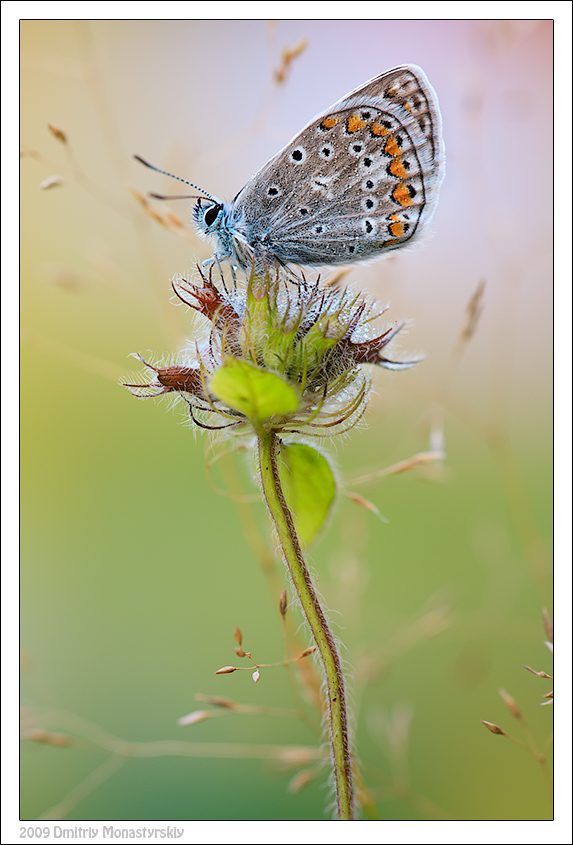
(310, 488)
(255, 392)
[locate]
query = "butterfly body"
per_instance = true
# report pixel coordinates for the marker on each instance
(361, 179)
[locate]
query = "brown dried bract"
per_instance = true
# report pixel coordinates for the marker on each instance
(495, 729)
(59, 134)
(226, 670)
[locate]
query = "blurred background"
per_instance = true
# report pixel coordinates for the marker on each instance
(135, 569)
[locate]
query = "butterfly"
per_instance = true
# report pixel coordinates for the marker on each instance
(361, 179)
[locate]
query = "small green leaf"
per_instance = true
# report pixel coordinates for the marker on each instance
(310, 488)
(255, 392)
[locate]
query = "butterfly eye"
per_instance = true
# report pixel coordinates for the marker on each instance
(211, 214)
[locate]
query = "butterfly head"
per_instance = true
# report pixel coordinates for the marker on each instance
(214, 219)
(209, 215)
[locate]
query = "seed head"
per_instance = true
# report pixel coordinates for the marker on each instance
(281, 355)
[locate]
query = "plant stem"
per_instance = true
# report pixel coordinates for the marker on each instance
(268, 452)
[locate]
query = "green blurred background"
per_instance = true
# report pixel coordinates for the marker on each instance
(135, 570)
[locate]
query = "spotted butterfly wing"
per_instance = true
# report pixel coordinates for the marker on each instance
(359, 180)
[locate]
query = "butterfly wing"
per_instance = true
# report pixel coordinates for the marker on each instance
(362, 178)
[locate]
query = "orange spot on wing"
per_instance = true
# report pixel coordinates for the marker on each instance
(401, 195)
(396, 168)
(329, 122)
(354, 123)
(391, 147)
(396, 229)
(378, 129)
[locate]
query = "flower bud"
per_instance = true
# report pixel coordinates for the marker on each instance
(283, 355)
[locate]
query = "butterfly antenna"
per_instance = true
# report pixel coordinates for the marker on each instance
(165, 173)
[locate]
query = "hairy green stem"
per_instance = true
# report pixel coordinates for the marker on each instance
(268, 452)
